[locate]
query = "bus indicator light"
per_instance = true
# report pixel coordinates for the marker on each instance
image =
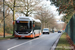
(33, 25)
(13, 22)
(17, 21)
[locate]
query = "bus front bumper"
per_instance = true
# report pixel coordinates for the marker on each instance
(27, 36)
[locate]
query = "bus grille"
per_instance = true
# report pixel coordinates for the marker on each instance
(22, 33)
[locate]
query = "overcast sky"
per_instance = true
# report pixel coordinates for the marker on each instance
(53, 9)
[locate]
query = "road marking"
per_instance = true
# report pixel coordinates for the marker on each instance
(23, 43)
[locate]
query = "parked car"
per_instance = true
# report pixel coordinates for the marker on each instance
(59, 31)
(46, 31)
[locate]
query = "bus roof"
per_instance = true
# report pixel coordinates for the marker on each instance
(27, 19)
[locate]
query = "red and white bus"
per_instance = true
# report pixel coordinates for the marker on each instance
(27, 27)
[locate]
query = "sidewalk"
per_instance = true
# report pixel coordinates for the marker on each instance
(54, 45)
(63, 44)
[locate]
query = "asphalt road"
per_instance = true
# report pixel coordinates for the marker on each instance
(44, 42)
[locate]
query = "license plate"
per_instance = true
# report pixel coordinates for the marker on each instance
(22, 36)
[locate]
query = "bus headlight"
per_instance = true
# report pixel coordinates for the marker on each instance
(16, 33)
(31, 32)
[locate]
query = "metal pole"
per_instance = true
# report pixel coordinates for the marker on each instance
(13, 15)
(4, 16)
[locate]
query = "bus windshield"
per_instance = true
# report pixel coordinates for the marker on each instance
(23, 27)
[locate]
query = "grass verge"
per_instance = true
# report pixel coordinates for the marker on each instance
(63, 43)
(2, 38)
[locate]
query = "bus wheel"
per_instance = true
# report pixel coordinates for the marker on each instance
(39, 34)
(19, 38)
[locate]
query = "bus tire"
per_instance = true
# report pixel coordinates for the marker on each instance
(19, 38)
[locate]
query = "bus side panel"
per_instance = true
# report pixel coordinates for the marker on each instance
(37, 33)
(37, 28)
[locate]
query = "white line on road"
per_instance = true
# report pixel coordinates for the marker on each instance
(22, 43)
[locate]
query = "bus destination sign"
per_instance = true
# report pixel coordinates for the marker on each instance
(22, 21)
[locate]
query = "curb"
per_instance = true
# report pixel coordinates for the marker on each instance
(8, 38)
(55, 43)
(12, 38)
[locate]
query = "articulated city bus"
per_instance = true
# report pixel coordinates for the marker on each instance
(27, 27)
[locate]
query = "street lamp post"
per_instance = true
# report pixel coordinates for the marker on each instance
(4, 16)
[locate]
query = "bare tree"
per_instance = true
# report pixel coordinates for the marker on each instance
(8, 16)
(23, 6)
(46, 17)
